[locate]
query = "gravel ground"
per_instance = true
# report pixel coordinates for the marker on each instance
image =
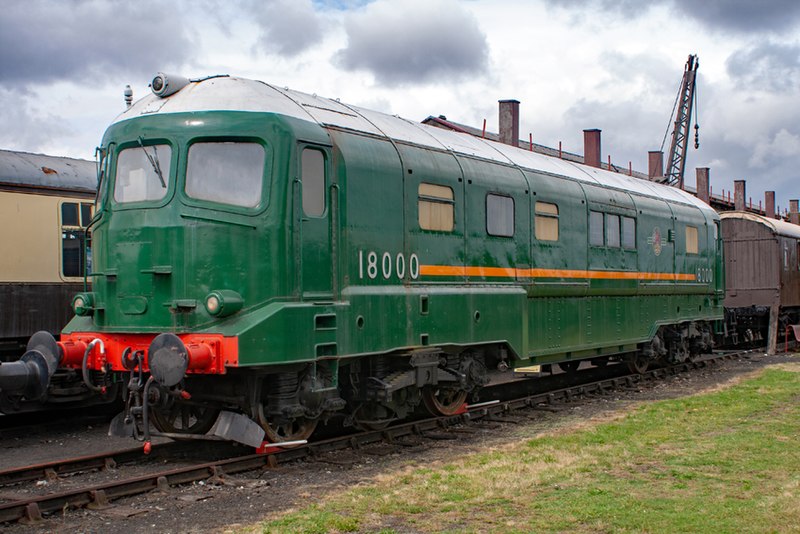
(245, 499)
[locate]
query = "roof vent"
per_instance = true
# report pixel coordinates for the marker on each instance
(164, 85)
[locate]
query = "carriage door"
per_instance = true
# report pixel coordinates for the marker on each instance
(315, 208)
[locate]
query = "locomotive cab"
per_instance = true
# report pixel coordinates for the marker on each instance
(196, 237)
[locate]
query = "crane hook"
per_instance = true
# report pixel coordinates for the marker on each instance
(696, 136)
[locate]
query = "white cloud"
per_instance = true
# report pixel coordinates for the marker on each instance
(415, 41)
(782, 145)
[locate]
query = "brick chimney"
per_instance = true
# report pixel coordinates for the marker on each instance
(769, 204)
(703, 184)
(509, 122)
(738, 194)
(794, 216)
(591, 147)
(655, 164)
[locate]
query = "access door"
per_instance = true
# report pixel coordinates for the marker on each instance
(316, 206)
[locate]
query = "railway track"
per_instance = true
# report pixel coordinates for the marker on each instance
(32, 508)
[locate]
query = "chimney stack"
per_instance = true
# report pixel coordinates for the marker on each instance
(591, 147)
(509, 122)
(655, 164)
(738, 194)
(703, 184)
(794, 216)
(769, 204)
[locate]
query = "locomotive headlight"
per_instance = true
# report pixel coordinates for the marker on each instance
(83, 304)
(213, 304)
(164, 85)
(223, 302)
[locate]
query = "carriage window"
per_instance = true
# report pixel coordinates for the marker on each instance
(691, 240)
(628, 233)
(142, 173)
(436, 207)
(313, 182)
(69, 214)
(75, 243)
(226, 172)
(86, 214)
(546, 221)
(612, 231)
(596, 228)
(499, 215)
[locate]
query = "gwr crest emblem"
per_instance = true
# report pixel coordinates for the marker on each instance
(655, 240)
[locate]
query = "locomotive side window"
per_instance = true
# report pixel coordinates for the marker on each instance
(436, 207)
(499, 215)
(226, 172)
(313, 164)
(612, 231)
(546, 221)
(74, 239)
(596, 228)
(142, 173)
(691, 240)
(629, 233)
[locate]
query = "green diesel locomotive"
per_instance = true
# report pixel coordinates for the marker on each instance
(281, 258)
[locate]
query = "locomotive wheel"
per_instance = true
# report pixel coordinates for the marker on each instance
(184, 418)
(296, 430)
(638, 364)
(569, 366)
(443, 401)
(368, 417)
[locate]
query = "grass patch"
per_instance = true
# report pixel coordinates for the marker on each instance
(727, 461)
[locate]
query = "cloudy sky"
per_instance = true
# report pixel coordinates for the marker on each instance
(574, 64)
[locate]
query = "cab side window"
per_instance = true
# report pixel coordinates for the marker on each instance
(313, 167)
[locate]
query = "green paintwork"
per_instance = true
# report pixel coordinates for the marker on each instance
(306, 282)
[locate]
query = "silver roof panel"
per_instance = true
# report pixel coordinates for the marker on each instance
(229, 93)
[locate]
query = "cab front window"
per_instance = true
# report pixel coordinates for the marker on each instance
(227, 173)
(142, 173)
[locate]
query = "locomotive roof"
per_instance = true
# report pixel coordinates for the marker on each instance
(239, 94)
(776, 226)
(25, 170)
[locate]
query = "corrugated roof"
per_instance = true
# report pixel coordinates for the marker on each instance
(23, 169)
(239, 94)
(779, 227)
